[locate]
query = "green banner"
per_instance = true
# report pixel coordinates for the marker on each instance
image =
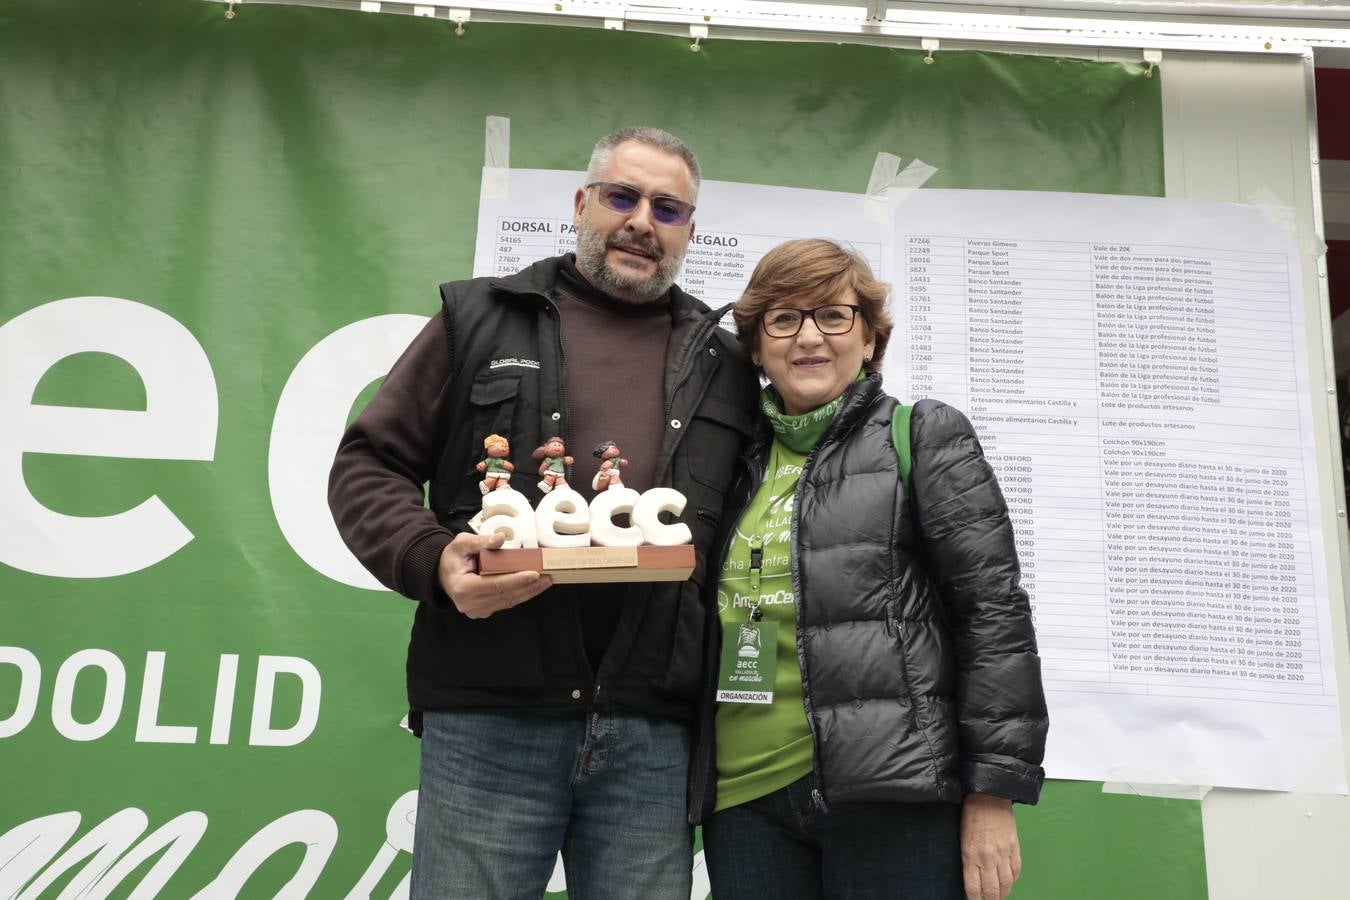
(201, 223)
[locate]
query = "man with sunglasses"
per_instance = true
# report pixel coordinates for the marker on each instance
(555, 717)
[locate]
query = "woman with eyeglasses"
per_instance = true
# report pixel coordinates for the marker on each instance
(880, 701)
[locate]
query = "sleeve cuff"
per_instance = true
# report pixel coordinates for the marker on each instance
(421, 567)
(1001, 781)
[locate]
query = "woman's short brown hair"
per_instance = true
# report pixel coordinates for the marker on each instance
(807, 273)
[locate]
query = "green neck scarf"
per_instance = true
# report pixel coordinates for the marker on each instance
(798, 433)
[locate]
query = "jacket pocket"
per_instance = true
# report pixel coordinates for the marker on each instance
(683, 671)
(492, 402)
(714, 441)
(929, 733)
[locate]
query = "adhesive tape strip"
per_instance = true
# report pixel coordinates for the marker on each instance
(889, 186)
(1286, 218)
(497, 157)
(884, 169)
(1327, 776)
(1142, 783)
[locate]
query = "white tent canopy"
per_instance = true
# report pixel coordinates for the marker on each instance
(1249, 26)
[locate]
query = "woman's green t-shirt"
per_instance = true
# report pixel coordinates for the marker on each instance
(764, 747)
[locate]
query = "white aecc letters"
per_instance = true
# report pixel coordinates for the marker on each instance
(564, 519)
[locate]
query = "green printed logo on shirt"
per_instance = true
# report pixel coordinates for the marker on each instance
(749, 658)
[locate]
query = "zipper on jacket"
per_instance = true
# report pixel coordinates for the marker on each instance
(552, 311)
(687, 364)
(817, 792)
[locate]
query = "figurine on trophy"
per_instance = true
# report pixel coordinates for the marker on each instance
(553, 469)
(610, 463)
(496, 468)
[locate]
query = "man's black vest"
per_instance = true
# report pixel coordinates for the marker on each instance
(508, 377)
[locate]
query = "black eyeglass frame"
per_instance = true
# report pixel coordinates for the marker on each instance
(853, 309)
(684, 208)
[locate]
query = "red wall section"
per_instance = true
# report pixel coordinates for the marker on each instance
(1333, 113)
(1333, 137)
(1338, 276)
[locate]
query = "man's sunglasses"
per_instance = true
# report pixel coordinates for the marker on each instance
(623, 199)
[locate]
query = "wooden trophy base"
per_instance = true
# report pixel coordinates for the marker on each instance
(578, 565)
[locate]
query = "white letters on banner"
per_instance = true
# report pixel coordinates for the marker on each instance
(310, 418)
(312, 828)
(223, 713)
(261, 733)
(148, 728)
(63, 697)
(107, 843)
(25, 704)
(179, 422)
(74, 673)
(115, 850)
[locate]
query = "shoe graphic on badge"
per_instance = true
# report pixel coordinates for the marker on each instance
(749, 642)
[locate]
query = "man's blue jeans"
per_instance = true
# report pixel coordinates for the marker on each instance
(502, 792)
(782, 846)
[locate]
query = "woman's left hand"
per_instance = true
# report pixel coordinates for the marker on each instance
(991, 859)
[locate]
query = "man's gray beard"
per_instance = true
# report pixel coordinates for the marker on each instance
(591, 247)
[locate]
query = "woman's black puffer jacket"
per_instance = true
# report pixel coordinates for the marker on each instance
(914, 636)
